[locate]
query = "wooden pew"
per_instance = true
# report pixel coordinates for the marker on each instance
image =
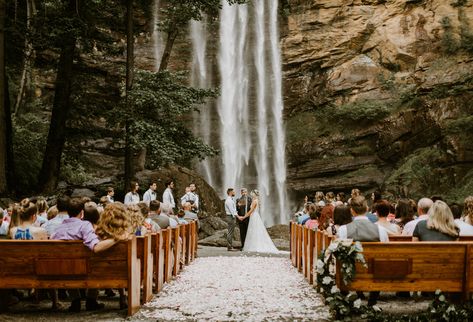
(145, 254)
(183, 234)
(192, 233)
(168, 255)
(414, 266)
(69, 264)
(176, 249)
(157, 248)
(400, 238)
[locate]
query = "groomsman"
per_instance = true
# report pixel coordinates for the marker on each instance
(150, 194)
(231, 214)
(168, 198)
(243, 206)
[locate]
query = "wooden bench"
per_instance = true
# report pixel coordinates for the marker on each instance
(158, 250)
(69, 264)
(414, 266)
(393, 238)
(145, 254)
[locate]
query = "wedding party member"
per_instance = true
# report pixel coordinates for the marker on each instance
(110, 194)
(243, 206)
(150, 194)
(439, 225)
(195, 201)
(231, 215)
(168, 198)
(132, 197)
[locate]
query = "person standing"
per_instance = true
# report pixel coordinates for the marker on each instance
(231, 215)
(168, 198)
(150, 194)
(132, 197)
(194, 198)
(110, 194)
(243, 206)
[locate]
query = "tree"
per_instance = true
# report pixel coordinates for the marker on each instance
(3, 114)
(128, 86)
(49, 174)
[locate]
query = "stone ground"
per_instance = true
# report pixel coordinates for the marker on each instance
(223, 286)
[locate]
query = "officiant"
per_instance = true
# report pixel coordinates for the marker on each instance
(243, 206)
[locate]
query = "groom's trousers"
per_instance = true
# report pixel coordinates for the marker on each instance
(231, 227)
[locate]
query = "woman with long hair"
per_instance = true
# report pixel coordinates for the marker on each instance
(468, 210)
(404, 212)
(440, 226)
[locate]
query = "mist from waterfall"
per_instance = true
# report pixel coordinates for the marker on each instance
(157, 36)
(250, 106)
(200, 78)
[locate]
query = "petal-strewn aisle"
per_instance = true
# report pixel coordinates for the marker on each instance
(237, 288)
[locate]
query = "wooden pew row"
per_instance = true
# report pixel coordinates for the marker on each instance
(409, 238)
(395, 266)
(69, 264)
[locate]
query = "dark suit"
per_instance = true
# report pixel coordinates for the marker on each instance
(243, 205)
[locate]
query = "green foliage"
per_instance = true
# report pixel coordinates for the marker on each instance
(460, 125)
(73, 171)
(448, 42)
(29, 138)
(359, 112)
(462, 189)
(458, 3)
(466, 34)
(160, 108)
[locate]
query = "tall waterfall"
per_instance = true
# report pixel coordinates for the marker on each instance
(157, 36)
(200, 77)
(250, 107)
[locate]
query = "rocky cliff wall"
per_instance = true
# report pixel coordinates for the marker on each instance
(378, 95)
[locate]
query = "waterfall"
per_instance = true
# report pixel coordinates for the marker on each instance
(250, 106)
(277, 107)
(200, 78)
(157, 36)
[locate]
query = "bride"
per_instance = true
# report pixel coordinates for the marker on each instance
(257, 238)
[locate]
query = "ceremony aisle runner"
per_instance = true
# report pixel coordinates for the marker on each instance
(237, 289)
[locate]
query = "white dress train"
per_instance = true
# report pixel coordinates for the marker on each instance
(257, 237)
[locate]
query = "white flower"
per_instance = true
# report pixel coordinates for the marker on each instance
(327, 280)
(450, 309)
(376, 308)
(438, 291)
(320, 263)
(347, 242)
(357, 303)
(334, 289)
(442, 298)
(333, 247)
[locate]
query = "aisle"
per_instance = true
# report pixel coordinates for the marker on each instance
(236, 289)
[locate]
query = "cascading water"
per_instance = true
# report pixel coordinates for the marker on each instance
(157, 36)
(201, 78)
(250, 107)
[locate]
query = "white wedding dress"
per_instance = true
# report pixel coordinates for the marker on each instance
(257, 237)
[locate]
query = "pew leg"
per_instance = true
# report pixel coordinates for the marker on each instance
(123, 299)
(54, 298)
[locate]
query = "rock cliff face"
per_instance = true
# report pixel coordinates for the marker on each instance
(374, 91)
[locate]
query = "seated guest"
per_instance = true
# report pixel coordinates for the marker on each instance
(74, 228)
(156, 216)
(166, 210)
(439, 226)
(42, 216)
(189, 214)
(326, 216)
(423, 207)
(330, 198)
(304, 216)
(465, 229)
(468, 210)
(404, 213)
(62, 206)
(341, 197)
(361, 228)
(91, 213)
(26, 230)
(319, 199)
(52, 212)
(341, 216)
(137, 220)
(314, 213)
(180, 217)
(6, 221)
(382, 210)
(150, 225)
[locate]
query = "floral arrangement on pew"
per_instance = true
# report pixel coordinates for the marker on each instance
(346, 253)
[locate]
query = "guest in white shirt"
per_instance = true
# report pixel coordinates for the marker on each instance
(62, 206)
(150, 194)
(168, 198)
(132, 197)
(231, 215)
(423, 207)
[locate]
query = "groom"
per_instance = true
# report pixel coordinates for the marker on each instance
(243, 206)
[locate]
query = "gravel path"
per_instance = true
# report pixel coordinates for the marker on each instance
(236, 289)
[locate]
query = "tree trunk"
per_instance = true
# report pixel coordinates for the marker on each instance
(3, 114)
(50, 170)
(129, 173)
(29, 57)
(172, 35)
